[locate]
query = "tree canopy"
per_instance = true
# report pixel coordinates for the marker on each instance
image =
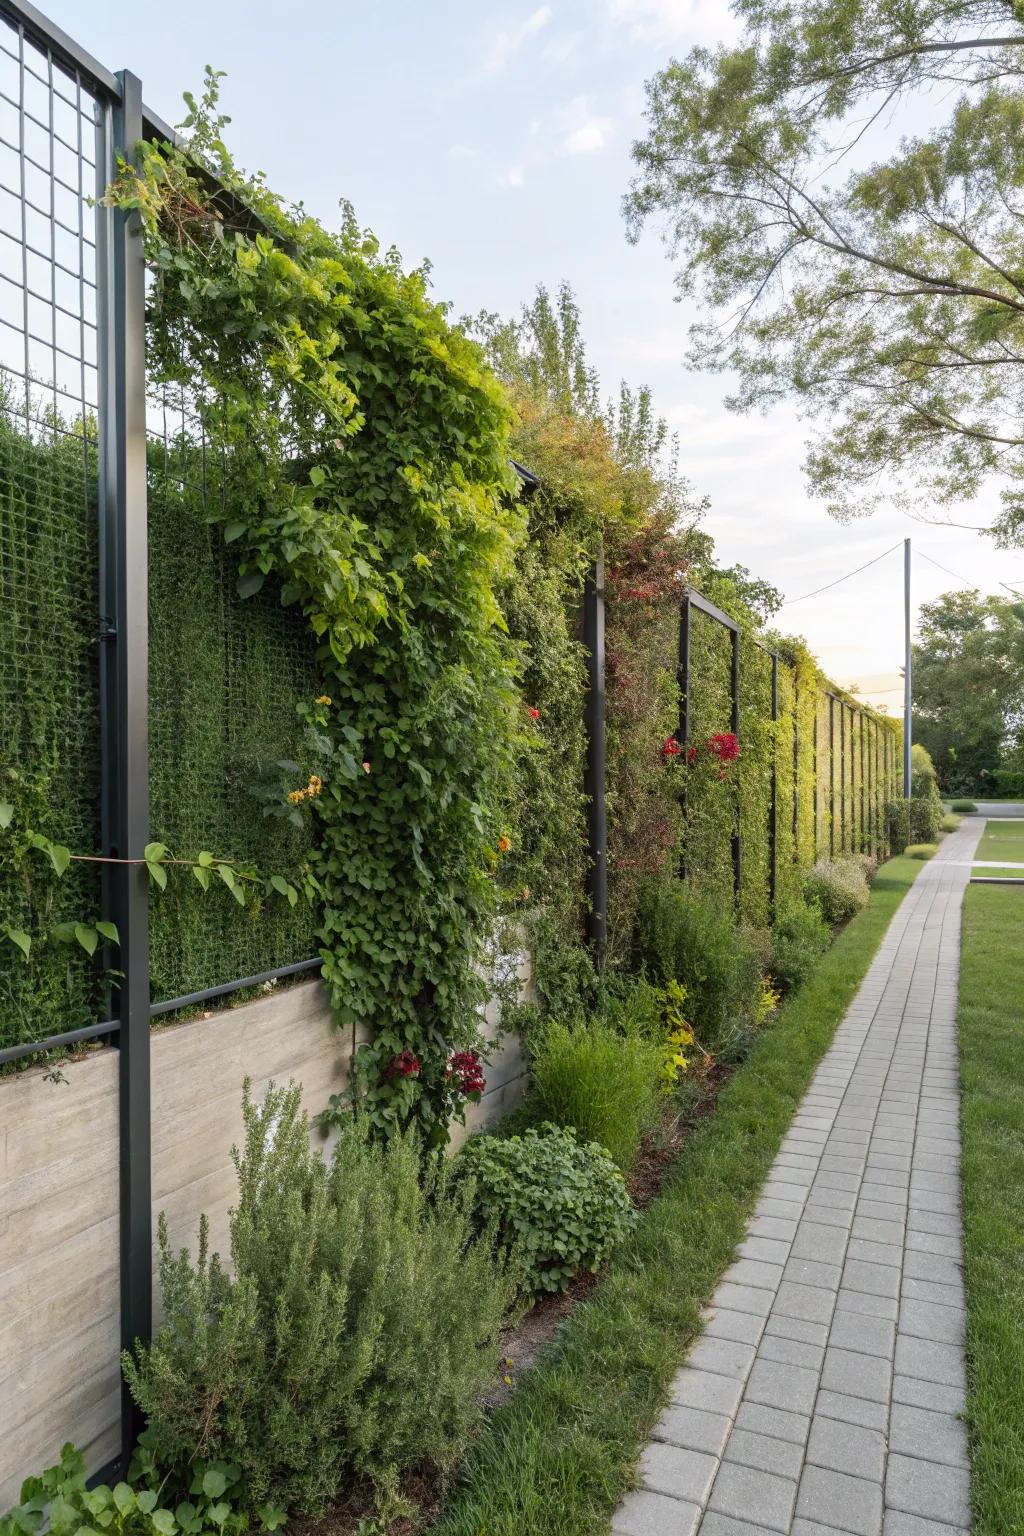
(887, 296)
(969, 687)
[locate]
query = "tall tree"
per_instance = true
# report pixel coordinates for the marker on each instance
(887, 297)
(969, 686)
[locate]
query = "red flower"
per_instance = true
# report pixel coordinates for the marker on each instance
(405, 1064)
(691, 755)
(534, 714)
(670, 747)
(725, 746)
(465, 1071)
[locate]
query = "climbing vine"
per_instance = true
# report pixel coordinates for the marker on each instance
(368, 484)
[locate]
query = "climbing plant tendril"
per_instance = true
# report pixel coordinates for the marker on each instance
(366, 452)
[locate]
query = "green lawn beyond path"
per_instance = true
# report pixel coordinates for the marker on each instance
(556, 1460)
(1002, 840)
(992, 1069)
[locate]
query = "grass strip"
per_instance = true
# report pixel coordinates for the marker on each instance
(1002, 840)
(992, 1073)
(990, 872)
(558, 1457)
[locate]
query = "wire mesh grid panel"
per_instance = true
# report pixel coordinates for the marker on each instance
(50, 123)
(226, 675)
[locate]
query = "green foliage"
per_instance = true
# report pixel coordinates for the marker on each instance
(897, 824)
(691, 939)
(799, 939)
(1007, 781)
(925, 806)
(602, 1083)
(60, 1500)
(966, 807)
(560, 1205)
(969, 687)
(368, 450)
(838, 887)
(949, 823)
(353, 1333)
(885, 297)
(921, 850)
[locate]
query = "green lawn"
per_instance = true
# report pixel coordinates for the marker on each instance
(992, 1067)
(557, 1458)
(1002, 840)
(989, 873)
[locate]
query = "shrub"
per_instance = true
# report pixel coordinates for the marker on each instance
(950, 823)
(1008, 781)
(686, 938)
(897, 824)
(838, 887)
(560, 1205)
(868, 863)
(921, 850)
(801, 938)
(965, 807)
(601, 1083)
(138, 1507)
(357, 1330)
(926, 815)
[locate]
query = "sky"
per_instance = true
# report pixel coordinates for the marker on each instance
(494, 140)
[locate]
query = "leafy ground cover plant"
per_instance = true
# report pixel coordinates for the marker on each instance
(838, 887)
(560, 1205)
(801, 936)
(685, 938)
(603, 1084)
(354, 1335)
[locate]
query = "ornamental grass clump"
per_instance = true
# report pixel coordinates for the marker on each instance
(603, 1084)
(838, 887)
(354, 1334)
(560, 1205)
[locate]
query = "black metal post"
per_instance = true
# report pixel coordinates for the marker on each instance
(796, 767)
(863, 787)
(683, 729)
(773, 840)
(597, 824)
(124, 706)
(737, 845)
(814, 757)
(831, 775)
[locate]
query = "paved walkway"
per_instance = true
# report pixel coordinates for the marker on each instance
(824, 1396)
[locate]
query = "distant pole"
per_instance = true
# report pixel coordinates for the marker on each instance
(907, 688)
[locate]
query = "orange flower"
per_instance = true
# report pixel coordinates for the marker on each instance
(504, 843)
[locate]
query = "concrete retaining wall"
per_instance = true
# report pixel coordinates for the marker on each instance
(59, 1301)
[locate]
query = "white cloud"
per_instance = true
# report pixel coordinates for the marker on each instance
(560, 49)
(513, 177)
(505, 45)
(463, 152)
(670, 22)
(584, 132)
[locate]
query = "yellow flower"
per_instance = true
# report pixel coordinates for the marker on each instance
(324, 698)
(315, 785)
(296, 796)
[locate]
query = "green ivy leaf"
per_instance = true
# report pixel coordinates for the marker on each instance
(250, 583)
(214, 1483)
(233, 531)
(146, 1500)
(89, 939)
(21, 939)
(163, 1521)
(202, 875)
(6, 813)
(109, 932)
(271, 1516)
(60, 857)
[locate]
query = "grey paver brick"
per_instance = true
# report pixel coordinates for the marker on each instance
(844, 1447)
(744, 1298)
(769, 1249)
(927, 1489)
(784, 1327)
(678, 1471)
(740, 1491)
(843, 1502)
(890, 1254)
(929, 1360)
(811, 1302)
(773, 1226)
(780, 1422)
(776, 1346)
(867, 1305)
(869, 1335)
(782, 1386)
(770, 1454)
(693, 1428)
(724, 1357)
(897, 1523)
(852, 1410)
(813, 1272)
(753, 1272)
(820, 1241)
(931, 1436)
(873, 1279)
(857, 1375)
(654, 1514)
(926, 1320)
(743, 1327)
(699, 1389)
(715, 1524)
(934, 1395)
